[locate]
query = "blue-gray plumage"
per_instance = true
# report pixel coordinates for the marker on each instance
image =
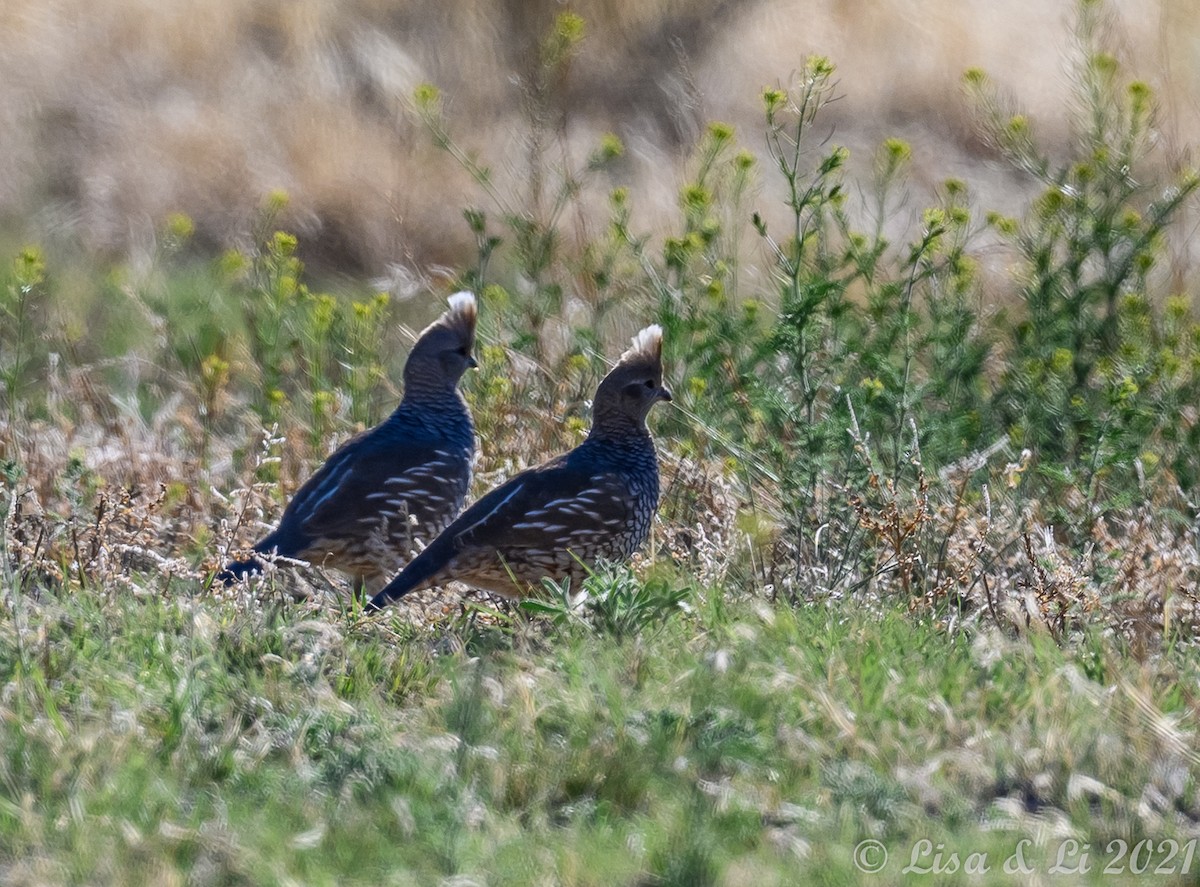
(556, 520)
(394, 487)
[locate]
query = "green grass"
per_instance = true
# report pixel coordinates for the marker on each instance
(158, 739)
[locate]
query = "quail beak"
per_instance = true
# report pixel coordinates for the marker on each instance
(664, 393)
(472, 363)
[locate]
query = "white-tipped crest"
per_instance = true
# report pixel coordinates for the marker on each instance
(460, 316)
(462, 303)
(647, 345)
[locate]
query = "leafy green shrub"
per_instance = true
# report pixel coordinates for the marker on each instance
(300, 340)
(612, 601)
(23, 296)
(1095, 365)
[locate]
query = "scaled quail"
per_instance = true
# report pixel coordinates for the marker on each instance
(557, 519)
(393, 485)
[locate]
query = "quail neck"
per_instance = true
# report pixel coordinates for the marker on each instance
(430, 416)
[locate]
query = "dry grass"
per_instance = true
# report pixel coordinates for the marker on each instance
(132, 505)
(115, 115)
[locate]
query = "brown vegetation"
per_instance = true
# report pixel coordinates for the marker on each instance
(114, 115)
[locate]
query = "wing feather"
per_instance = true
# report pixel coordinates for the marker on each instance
(533, 508)
(363, 479)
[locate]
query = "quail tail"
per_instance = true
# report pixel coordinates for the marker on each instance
(235, 571)
(419, 571)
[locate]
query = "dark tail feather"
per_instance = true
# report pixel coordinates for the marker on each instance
(235, 571)
(419, 570)
(282, 541)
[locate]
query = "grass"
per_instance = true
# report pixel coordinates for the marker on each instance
(172, 738)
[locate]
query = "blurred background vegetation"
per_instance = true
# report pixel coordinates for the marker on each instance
(116, 115)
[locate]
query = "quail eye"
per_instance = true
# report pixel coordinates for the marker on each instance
(649, 383)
